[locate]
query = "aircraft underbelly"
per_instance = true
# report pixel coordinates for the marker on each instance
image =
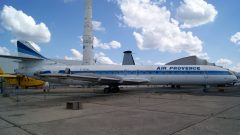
(163, 80)
(154, 79)
(186, 79)
(215, 79)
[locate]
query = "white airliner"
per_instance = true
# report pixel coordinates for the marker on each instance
(35, 65)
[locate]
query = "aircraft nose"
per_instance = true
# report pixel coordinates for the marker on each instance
(234, 79)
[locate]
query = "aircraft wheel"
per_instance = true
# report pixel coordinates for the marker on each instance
(205, 90)
(115, 89)
(106, 90)
(221, 90)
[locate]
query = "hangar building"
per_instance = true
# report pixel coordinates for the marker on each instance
(190, 60)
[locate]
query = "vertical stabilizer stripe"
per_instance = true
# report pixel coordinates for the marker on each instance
(26, 50)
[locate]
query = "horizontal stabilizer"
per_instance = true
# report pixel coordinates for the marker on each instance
(19, 57)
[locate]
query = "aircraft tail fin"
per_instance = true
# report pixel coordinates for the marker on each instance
(26, 49)
(128, 58)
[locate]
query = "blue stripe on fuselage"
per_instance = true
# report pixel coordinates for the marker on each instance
(154, 72)
(149, 72)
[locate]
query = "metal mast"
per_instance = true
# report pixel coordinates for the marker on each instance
(87, 35)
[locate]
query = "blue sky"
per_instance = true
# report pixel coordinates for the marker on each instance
(157, 31)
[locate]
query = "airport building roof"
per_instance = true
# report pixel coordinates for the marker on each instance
(190, 60)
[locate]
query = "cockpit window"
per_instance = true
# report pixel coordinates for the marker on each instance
(230, 73)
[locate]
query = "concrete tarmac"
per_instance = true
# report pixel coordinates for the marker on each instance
(133, 111)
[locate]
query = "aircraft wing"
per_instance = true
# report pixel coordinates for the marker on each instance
(8, 76)
(135, 81)
(98, 79)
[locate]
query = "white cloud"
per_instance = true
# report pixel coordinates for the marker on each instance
(68, 1)
(236, 68)
(4, 51)
(13, 41)
(68, 58)
(111, 45)
(149, 62)
(201, 55)
(155, 29)
(100, 57)
(103, 59)
(76, 55)
(97, 26)
(235, 38)
(115, 44)
(97, 43)
(195, 13)
(139, 61)
(159, 63)
(23, 26)
(137, 58)
(159, 1)
(224, 62)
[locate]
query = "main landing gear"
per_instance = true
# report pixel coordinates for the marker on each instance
(176, 86)
(111, 89)
(221, 88)
(205, 89)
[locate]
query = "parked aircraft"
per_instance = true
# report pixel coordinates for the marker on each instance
(238, 79)
(34, 64)
(20, 80)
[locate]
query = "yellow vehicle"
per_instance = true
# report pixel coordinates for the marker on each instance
(21, 81)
